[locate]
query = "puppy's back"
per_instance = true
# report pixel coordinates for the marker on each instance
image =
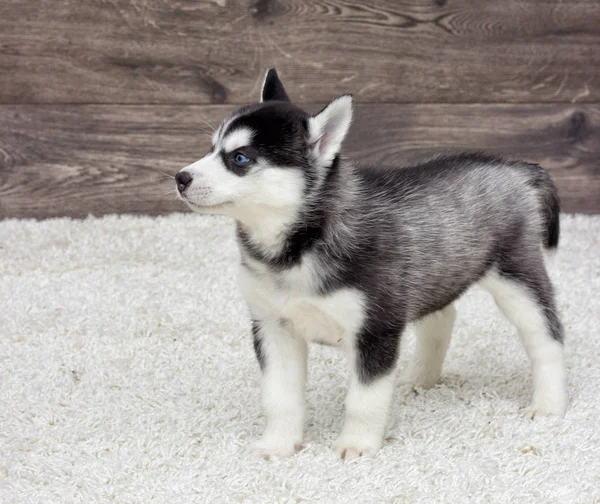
(456, 217)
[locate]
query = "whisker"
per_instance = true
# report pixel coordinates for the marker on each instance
(172, 194)
(166, 175)
(209, 123)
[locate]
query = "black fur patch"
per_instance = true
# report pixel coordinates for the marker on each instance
(273, 88)
(279, 132)
(257, 342)
(239, 170)
(377, 344)
(297, 242)
(553, 224)
(279, 137)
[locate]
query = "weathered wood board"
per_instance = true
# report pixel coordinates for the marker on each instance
(77, 160)
(216, 51)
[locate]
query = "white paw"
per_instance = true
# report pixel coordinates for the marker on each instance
(350, 447)
(548, 404)
(419, 380)
(275, 446)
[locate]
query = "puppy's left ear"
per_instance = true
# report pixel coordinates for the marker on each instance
(327, 130)
(273, 88)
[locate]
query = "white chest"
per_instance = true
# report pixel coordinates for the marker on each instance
(289, 300)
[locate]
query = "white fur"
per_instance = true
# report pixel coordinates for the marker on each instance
(282, 391)
(367, 408)
(291, 301)
(262, 87)
(433, 335)
(240, 137)
(292, 314)
(212, 183)
(545, 353)
(269, 203)
(218, 133)
(266, 199)
(328, 129)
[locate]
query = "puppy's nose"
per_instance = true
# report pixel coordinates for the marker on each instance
(183, 179)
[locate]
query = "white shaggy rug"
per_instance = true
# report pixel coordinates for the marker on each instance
(127, 375)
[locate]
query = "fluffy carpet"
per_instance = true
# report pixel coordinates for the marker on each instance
(127, 375)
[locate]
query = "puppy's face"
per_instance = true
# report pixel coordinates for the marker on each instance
(265, 157)
(258, 157)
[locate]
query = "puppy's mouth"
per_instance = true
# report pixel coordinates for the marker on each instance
(203, 208)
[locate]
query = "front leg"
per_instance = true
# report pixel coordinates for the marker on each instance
(373, 360)
(282, 358)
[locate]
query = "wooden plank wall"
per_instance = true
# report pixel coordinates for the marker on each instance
(99, 98)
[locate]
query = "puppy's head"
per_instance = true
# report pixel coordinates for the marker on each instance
(266, 157)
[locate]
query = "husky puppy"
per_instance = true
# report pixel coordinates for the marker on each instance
(349, 256)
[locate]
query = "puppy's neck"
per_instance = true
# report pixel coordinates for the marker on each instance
(267, 228)
(280, 235)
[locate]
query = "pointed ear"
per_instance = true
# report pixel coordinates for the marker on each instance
(273, 88)
(327, 130)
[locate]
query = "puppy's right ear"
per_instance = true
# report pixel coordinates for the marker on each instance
(273, 88)
(327, 130)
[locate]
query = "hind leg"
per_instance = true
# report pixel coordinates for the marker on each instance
(526, 299)
(432, 337)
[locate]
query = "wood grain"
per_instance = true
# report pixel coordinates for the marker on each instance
(216, 52)
(95, 159)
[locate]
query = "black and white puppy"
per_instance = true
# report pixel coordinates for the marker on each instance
(349, 256)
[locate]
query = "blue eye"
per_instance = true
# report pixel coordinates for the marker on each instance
(240, 159)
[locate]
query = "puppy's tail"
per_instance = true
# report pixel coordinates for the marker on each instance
(550, 208)
(552, 219)
(550, 213)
